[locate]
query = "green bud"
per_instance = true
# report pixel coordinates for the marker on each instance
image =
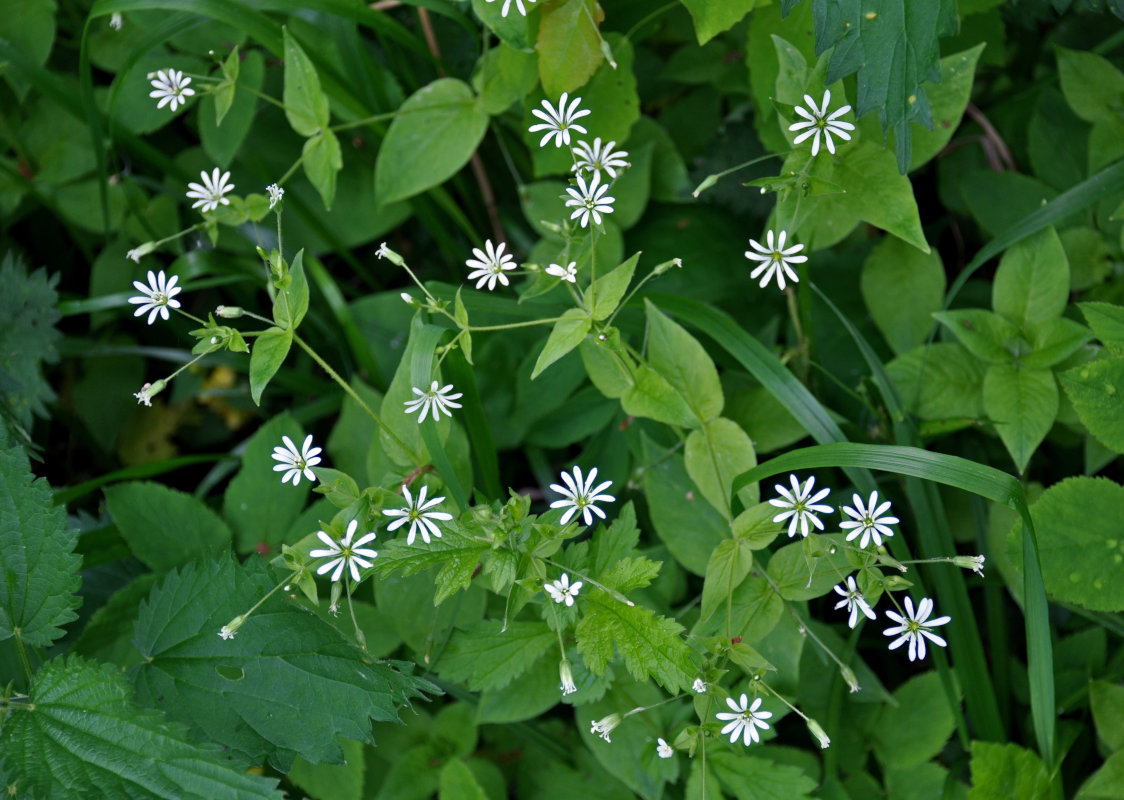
(137, 253)
(390, 255)
(665, 266)
(849, 677)
(819, 733)
(709, 181)
(229, 312)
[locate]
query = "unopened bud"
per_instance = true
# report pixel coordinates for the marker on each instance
(567, 676)
(229, 312)
(665, 266)
(819, 733)
(849, 677)
(229, 629)
(974, 563)
(137, 253)
(603, 727)
(408, 299)
(709, 181)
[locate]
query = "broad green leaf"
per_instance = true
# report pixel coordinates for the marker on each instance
(651, 395)
(987, 335)
(915, 727)
(685, 364)
(568, 333)
(1107, 783)
(1055, 340)
(1093, 87)
(687, 524)
(27, 339)
(108, 635)
(530, 695)
(503, 76)
(797, 29)
(337, 781)
(29, 25)
(484, 656)
(221, 142)
(81, 735)
(435, 134)
(903, 287)
(1095, 390)
(306, 105)
(38, 567)
(756, 527)
(631, 756)
(607, 369)
(322, 162)
(515, 30)
(1056, 143)
(799, 576)
(1107, 322)
(728, 566)
(415, 370)
(755, 609)
(1022, 402)
(948, 98)
(606, 292)
(939, 382)
(164, 527)
(456, 554)
(569, 46)
(1079, 542)
(712, 19)
(1106, 700)
(1032, 282)
(457, 782)
(714, 455)
(224, 93)
(351, 441)
(650, 645)
(266, 356)
(258, 506)
(291, 303)
(1000, 200)
(754, 778)
(1007, 772)
(282, 664)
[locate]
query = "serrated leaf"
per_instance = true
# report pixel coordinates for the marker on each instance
(306, 105)
(630, 574)
(27, 339)
(164, 527)
(650, 645)
(322, 162)
(684, 363)
(1023, 403)
(484, 656)
(1007, 772)
(568, 46)
(752, 778)
(81, 734)
(714, 455)
(456, 554)
(567, 333)
(38, 567)
(914, 280)
(611, 545)
(608, 290)
(986, 334)
(1107, 322)
(1032, 282)
(266, 356)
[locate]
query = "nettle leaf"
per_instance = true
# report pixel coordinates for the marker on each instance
(1032, 282)
(435, 134)
(1007, 770)
(1095, 390)
(27, 339)
(81, 733)
(284, 666)
(752, 778)
(38, 567)
(1107, 322)
(684, 363)
(615, 543)
(947, 99)
(164, 527)
(712, 18)
(456, 554)
(1023, 403)
(266, 356)
(986, 334)
(306, 105)
(649, 644)
(484, 656)
(568, 333)
(569, 45)
(714, 455)
(916, 282)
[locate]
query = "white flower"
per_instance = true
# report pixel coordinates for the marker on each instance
(566, 273)
(156, 297)
(134, 255)
(275, 194)
(115, 22)
(854, 601)
(594, 157)
(432, 401)
(210, 194)
(226, 633)
(589, 200)
(558, 122)
(294, 462)
(801, 507)
(745, 720)
(663, 749)
(821, 735)
(868, 520)
(580, 496)
(344, 553)
(774, 259)
(490, 267)
(417, 512)
(143, 395)
(914, 628)
(562, 591)
(567, 676)
(699, 686)
(507, 5)
(816, 121)
(171, 87)
(603, 727)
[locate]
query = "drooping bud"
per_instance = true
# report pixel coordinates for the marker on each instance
(974, 563)
(850, 678)
(567, 676)
(603, 727)
(390, 255)
(137, 253)
(819, 733)
(150, 390)
(229, 629)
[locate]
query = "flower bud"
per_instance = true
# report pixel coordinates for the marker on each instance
(408, 299)
(567, 676)
(709, 181)
(229, 312)
(819, 733)
(665, 266)
(229, 629)
(390, 255)
(849, 677)
(150, 390)
(603, 727)
(974, 563)
(137, 253)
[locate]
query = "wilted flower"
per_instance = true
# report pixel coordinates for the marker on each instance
(663, 749)
(603, 727)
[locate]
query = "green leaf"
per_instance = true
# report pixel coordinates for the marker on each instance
(941, 381)
(322, 162)
(685, 364)
(754, 611)
(457, 555)
(1055, 340)
(222, 143)
(799, 576)
(80, 733)
(1007, 772)
(306, 105)
(337, 781)
(224, 93)
(29, 25)
(27, 339)
(1032, 282)
(435, 134)
(530, 695)
(266, 357)
(1079, 540)
(283, 664)
(503, 76)
(568, 333)
(569, 46)
(714, 455)
(607, 368)
(1107, 322)
(1107, 783)
(1023, 403)
(915, 727)
(712, 19)
(728, 566)
(651, 395)
(607, 291)
(650, 645)
(515, 30)
(38, 567)
(457, 782)
(164, 527)
(903, 287)
(1093, 87)
(948, 98)
(1093, 390)
(686, 523)
(986, 334)
(752, 778)
(484, 656)
(1106, 700)
(291, 303)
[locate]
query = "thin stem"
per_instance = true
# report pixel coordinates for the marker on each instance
(18, 635)
(620, 598)
(190, 316)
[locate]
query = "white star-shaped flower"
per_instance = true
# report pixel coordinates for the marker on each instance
(800, 506)
(867, 520)
(344, 554)
(171, 86)
(294, 462)
(559, 122)
(275, 194)
(489, 267)
(914, 628)
(419, 514)
(774, 259)
(507, 6)
(854, 601)
(156, 297)
(433, 401)
(210, 195)
(745, 720)
(663, 749)
(594, 158)
(562, 591)
(817, 122)
(143, 396)
(566, 273)
(579, 495)
(589, 200)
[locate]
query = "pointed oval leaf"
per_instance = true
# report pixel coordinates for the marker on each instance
(306, 105)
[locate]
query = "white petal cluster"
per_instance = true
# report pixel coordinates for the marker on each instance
(744, 720)
(589, 200)
(853, 601)
(801, 506)
(914, 628)
(211, 193)
(775, 259)
(567, 273)
(156, 297)
(867, 520)
(559, 122)
(489, 267)
(343, 554)
(597, 157)
(420, 514)
(663, 749)
(295, 463)
(518, 5)
(817, 122)
(433, 400)
(170, 85)
(562, 591)
(579, 494)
